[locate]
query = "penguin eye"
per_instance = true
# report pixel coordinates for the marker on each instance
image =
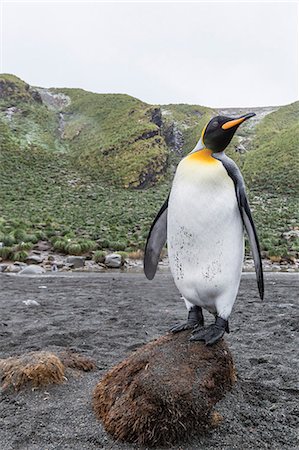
(215, 124)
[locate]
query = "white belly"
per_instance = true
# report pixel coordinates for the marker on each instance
(205, 236)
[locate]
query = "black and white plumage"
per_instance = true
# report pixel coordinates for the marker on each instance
(203, 221)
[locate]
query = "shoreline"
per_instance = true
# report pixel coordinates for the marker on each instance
(123, 273)
(106, 317)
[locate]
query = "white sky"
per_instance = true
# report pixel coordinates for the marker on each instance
(213, 54)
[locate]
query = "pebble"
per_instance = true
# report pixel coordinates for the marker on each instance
(31, 303)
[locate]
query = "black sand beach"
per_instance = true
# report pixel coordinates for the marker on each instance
(107, 316)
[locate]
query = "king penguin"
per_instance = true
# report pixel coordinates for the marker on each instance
(203, 221)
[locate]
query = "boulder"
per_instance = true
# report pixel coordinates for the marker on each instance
(43, 246)
(34, 259)
(164, 393)
(76, 261)
(32, 270)
(58, 264)
(3, 267)
(13, 268)
(113, 261)
(20, 264)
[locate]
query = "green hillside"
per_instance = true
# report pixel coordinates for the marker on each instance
(114, 135)
(89, 171)
(273, 163)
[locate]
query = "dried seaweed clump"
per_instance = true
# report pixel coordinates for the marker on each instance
(76, 361)
(165, 392)
(34, 368)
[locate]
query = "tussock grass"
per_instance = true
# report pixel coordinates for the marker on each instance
(34, 368)
(41, 368)
(66, 183)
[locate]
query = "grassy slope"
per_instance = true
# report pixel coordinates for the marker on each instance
(189, 119)
(45, 191)
(32, 122)
(113, 134)
(273, 163)
(271, 171)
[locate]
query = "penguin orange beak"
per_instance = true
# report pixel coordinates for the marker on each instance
(236, 122)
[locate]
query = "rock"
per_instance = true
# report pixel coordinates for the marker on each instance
(30, 302)
(275, 259)
(174, 138)
(76, 261)
(43, 246)
(156, 117)
(240, 149)
(13, 268)
(113, 261)
(65, 268)
(292, 234)
(32, 270)
(21, 264)
(34, 259)
(3, 267)
(164, 392)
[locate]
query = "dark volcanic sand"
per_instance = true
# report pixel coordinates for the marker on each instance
(108, 316)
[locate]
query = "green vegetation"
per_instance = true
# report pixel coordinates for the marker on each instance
(99, 256)
(114, 136)
(64, 178)
(273, 163)
(189, 119)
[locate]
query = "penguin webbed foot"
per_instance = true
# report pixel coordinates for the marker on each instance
(195, 320)
(212, 334)
(184, 326)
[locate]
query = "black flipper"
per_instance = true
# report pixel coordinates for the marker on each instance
(235, 174)
(155, 242)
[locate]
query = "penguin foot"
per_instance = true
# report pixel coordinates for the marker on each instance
(195, 320)
(212, 334)
(183, 326)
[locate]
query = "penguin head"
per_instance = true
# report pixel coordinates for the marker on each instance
(220, 130)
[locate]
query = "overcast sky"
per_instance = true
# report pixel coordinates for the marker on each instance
(213, 54)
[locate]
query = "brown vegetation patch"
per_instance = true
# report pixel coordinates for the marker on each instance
(165, 391)
(35, 368)
(77, 361)
(138, 254)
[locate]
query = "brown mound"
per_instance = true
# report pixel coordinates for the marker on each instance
(35, 368)
(164, 392)
(77, 361)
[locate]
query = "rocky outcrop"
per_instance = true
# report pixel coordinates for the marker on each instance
(156, 117)
(14, 89)
(173, 137)
(152, 172)
(54, 100)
